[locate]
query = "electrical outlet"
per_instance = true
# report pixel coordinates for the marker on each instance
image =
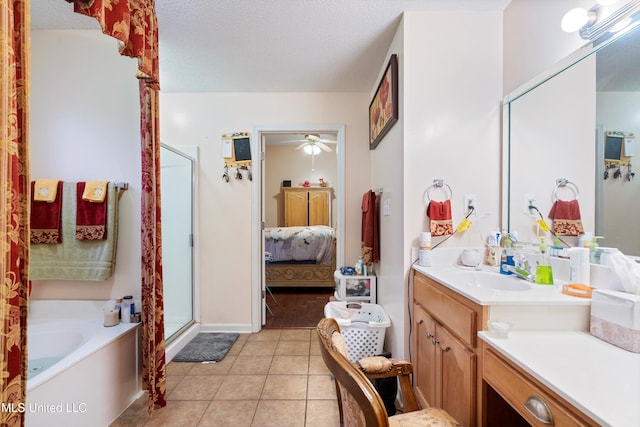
(386, 210)
(469, 200)
(529, 200)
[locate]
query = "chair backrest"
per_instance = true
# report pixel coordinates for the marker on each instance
(368, 410)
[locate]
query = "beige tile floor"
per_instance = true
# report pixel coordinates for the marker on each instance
(272, 378)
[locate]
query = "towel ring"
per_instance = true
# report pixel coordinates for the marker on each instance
(562, 182)
(437, 183)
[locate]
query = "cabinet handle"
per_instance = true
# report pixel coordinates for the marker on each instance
(434, 341)
(444, 350)
(539, 409)
(429, 335)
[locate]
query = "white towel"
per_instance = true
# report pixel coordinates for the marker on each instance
(77, 259)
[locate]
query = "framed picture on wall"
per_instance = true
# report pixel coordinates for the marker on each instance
(383, 110)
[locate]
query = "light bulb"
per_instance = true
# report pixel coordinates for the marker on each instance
(574, 20)
(311, 149)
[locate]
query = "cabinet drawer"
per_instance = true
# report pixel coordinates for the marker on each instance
(516, 389)
(460, 319)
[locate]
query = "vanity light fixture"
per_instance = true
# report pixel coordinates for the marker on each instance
(576, 19)
(607, 2)
(600, 19)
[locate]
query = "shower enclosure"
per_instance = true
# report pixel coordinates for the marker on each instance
(177, 178)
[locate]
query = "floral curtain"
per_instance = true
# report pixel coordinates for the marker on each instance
(153, 348)
(14, 206)
(134, 23)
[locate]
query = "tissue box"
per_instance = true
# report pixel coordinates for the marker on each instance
(615, 318)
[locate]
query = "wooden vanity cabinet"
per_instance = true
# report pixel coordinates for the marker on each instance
(306, 206)
(446, 350)
(525, 394)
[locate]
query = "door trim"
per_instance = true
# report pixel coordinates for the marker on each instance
(257, 265)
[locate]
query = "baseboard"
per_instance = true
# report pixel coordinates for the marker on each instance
(215, 327)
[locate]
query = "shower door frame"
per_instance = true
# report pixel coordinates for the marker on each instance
(190, 153)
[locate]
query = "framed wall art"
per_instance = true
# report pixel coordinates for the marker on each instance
(383, 110)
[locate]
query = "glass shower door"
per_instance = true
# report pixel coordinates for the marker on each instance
(177, 239)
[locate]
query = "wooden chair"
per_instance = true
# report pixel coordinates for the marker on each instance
(359, 402)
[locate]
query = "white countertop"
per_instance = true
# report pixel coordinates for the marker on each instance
(453, 277)
(599, 379)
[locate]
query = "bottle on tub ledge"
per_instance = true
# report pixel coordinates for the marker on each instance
(127, 308)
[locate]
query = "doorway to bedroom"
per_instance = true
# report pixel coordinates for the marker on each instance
(301, 197)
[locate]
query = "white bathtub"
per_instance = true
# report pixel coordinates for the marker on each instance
(94, 372)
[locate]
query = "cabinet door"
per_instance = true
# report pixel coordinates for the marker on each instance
(319, 208)
(457, 379)
(296, 208)
(424, 363)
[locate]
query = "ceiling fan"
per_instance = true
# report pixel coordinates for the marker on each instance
(313, 140)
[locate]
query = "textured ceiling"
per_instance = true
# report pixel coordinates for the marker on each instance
(268, 45)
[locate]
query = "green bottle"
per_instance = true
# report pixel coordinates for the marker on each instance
(544, 275)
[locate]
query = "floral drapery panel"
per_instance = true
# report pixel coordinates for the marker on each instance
(134, 23)
(14, 207)
(153, 348)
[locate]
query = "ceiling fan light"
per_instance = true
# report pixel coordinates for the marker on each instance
(311, 149)
(574, 20)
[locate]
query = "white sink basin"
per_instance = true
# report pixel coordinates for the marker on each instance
(486, 279)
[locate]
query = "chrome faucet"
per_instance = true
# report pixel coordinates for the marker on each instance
(519, 272)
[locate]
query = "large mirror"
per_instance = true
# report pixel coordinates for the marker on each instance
(556, 128)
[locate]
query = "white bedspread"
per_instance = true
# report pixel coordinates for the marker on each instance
(313, 243)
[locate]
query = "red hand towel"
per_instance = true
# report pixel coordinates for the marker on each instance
(370, 237)
(440, 215)
(566, 218)
(91, 217)
(46, 218)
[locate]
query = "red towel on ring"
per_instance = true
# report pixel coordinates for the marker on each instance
(46, 218)
(91, 218)
(440, 215)
(566, 218)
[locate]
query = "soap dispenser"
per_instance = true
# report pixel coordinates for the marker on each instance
(595, 253)
(544, 275)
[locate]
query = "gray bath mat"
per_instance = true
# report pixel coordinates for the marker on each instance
(207, 347)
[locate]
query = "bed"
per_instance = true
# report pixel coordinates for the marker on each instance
(300, 256)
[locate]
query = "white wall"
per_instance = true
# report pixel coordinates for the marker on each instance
(533, 40)
(449, 128)
(225, 208)
(85, 125)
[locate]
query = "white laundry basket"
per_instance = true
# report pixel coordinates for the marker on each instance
(362, 325)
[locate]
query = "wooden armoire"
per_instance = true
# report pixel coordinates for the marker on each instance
(306, 206)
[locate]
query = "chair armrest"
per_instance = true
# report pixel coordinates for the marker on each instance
(382, 367)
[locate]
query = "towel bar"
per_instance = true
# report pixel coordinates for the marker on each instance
(563, 182)
(437, 183)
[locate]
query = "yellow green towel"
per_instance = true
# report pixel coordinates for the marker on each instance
(95, 191)
(45, 190)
